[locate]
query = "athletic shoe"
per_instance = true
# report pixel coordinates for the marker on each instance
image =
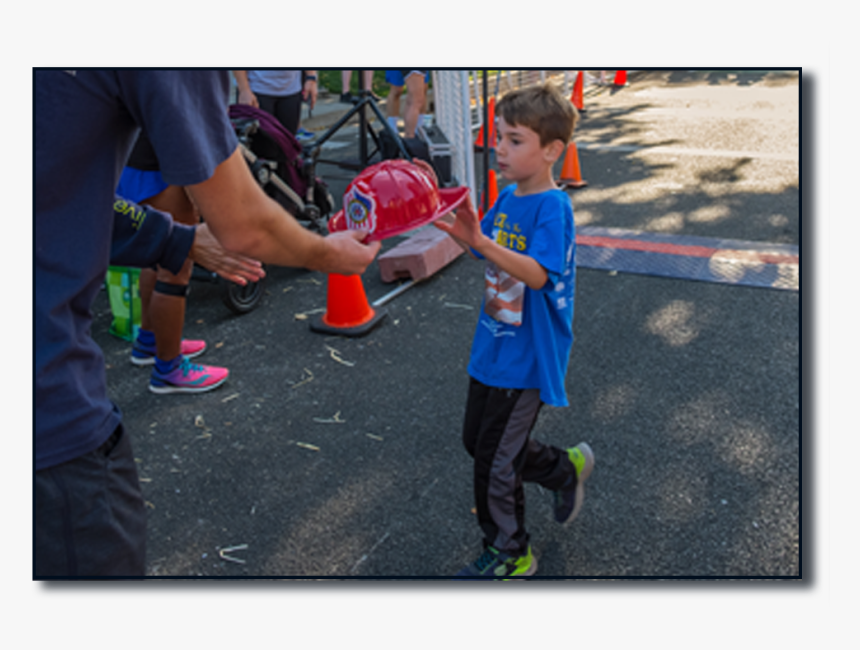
(304, 134)
(496, 565)
(347, 98)
(144, 355)
(187, 377)
(568, 502)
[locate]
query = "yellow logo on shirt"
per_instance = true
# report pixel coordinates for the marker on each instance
(506, 238)
(133, 212)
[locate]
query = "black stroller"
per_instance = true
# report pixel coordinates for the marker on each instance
(287, 174)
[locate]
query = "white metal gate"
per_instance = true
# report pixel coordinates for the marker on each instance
(452, 106)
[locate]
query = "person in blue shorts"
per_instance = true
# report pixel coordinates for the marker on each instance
(524, 334)
(159, 341)
(415, 82)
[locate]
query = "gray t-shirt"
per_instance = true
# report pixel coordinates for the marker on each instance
(278, 83)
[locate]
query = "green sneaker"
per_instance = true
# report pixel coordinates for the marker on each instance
(496, 565)
(568, 502)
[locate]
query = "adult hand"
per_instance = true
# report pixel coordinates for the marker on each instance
(235, 267)
(248, 98)
(347, 254)
(309, 92)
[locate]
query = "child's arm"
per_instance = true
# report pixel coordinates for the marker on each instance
(467, 229)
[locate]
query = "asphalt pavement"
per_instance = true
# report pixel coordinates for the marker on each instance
(333, 457)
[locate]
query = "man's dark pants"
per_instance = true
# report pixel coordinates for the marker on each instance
(90, 519)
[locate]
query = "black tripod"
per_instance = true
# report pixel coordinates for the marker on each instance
(365, 99)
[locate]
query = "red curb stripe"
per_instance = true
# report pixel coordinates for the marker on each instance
(677, 249)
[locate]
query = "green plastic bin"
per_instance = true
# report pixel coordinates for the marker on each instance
(123, 287)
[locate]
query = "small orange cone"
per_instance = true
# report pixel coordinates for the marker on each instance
(347, 311)
(493, 194)
(620, 78)
(491, 118)
(576, 95)
(571, 176)
(494, 188)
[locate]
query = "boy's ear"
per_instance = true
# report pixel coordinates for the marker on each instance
(554, 149)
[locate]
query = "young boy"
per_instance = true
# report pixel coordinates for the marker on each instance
(524, 334)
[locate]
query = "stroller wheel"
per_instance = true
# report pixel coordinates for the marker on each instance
(314, 221)
(241, 300)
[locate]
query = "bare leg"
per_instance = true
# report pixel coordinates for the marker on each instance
(415, 89)
(147, 284)
(164, 315)
(393, 102)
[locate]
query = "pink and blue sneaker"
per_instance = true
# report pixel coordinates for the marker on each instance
(185, 377)
(143, 354)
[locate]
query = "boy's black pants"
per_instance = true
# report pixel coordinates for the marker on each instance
(496, 433)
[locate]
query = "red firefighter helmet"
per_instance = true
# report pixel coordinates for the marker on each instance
(393, 197)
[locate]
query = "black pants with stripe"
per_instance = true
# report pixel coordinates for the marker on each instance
(496, 433)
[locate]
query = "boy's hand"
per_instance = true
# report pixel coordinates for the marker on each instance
(466, 230)
(466, 227)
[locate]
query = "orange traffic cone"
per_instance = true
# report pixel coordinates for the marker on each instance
(492, 196)
(494, 188)
(491, 118)
(620, 78)
(576, 95)
(571, 176)
(347, 311)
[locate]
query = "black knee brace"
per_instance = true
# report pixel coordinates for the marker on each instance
(180, 290)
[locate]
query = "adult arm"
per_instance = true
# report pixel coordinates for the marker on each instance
(247, 221)
(197, 148)
(144, 236)
(246, 95)
(310, 87)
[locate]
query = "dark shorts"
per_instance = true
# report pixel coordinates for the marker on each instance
(89, 515)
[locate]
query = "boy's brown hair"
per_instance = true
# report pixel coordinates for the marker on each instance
(542, 109)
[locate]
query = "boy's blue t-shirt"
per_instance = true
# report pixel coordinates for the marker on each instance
(523, 337)
(85, 122)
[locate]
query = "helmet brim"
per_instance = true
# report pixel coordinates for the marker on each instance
(450, 198)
